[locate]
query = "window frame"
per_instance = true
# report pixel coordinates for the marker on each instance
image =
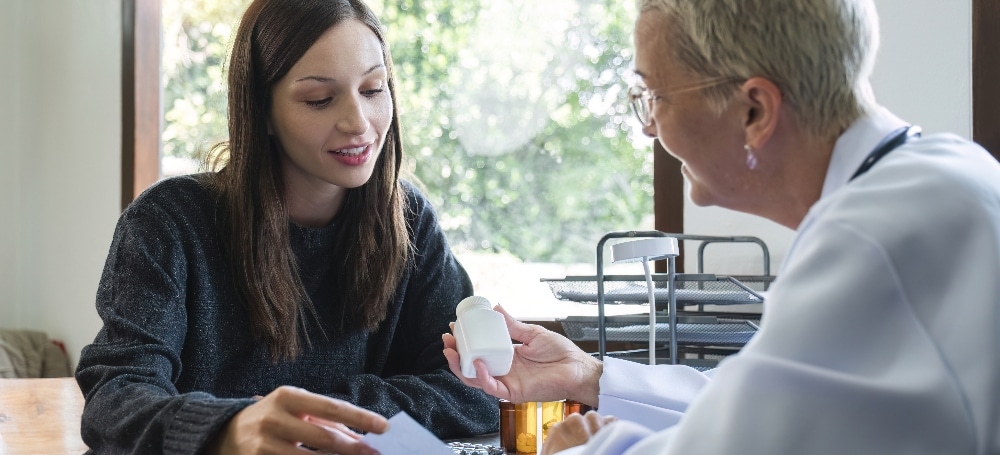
(985, 73)
(141, 112)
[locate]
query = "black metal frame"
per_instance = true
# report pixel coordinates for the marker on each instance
(671, 277)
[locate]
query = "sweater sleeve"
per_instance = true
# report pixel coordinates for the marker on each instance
(127, 374)
(414, 375)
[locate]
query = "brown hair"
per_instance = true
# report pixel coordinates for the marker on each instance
(373, 244)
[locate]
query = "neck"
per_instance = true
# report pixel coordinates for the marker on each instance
(792, 180)
(313, 209)
(312, 204)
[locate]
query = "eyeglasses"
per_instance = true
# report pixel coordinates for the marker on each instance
(640, 98)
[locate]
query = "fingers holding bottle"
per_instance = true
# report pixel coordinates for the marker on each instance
(545, 367)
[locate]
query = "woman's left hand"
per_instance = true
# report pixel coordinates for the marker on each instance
(575, 430)
(289, 418)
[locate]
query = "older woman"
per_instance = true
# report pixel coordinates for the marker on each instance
(882, 334)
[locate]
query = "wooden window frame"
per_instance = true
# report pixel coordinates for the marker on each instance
(141, 112)
(985, 74)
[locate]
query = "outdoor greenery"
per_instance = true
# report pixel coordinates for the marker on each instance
(513, 113)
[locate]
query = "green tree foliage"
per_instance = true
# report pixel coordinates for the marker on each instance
(513, 113)
(196, 40)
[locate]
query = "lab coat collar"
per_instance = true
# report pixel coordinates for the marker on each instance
(854, 146)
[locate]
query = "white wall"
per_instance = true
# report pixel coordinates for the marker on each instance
(924, 68)
(923, 74)
(61, 122)
(10, 32)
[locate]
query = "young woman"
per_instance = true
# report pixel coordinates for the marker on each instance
(300, 291)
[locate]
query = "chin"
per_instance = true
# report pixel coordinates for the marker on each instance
(698, 195)
(699, 201)
(354, 179)
(352, 183)
(705, 199)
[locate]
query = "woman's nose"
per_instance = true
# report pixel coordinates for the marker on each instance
(352, 119)
(649, 129)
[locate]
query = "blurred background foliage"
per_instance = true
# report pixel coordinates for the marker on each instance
(513, 113)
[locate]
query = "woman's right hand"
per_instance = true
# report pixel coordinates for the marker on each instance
(289, 418)
(546, 367)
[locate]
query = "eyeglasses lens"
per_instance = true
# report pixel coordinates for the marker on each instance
(639, 100)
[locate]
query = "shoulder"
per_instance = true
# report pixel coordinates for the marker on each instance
(419, 211)
(945, 159)
(938, 189)
(178, 190)
(414, 197)
(933, 175)
(421, 218)
(184, 199)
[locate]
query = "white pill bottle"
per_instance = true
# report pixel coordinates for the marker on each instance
(481, 333)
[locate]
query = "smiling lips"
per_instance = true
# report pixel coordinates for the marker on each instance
(351, 151)
(354, 156)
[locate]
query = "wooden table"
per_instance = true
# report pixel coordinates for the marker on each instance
(40, 416)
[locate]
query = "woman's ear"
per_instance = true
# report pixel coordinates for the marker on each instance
(763, 109)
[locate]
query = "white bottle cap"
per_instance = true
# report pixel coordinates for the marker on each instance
(474, 301)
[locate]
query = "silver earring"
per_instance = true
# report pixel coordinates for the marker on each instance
(751, 158)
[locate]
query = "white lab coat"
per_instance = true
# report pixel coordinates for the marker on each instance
(881, 334)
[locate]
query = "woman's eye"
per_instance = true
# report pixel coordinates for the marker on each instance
(319, 103)
(373, 92)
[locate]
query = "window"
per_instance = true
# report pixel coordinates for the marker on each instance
(514, 121)
(196, 38)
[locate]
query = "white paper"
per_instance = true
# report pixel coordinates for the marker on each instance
(406, 436)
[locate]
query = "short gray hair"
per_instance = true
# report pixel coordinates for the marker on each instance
(819, 53)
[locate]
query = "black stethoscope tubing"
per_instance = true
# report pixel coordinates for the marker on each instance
(895, 139)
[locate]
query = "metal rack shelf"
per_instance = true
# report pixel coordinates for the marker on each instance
(697, 330)
(690, 289)
(674, 296)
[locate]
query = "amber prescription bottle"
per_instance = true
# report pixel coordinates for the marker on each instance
(524, 426)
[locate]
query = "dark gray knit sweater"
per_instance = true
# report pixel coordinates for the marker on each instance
(175, 359)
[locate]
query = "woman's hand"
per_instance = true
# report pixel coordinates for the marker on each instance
(575, 430)
(290, 417)
(546, 367)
